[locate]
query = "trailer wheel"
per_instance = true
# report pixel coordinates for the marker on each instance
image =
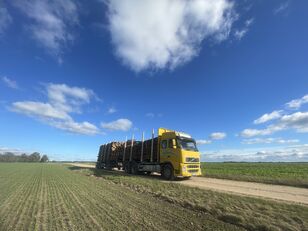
(168, 172)
(127, 168)
(134, 169)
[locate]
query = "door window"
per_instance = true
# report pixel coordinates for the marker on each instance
(170, 143)
(164, 144)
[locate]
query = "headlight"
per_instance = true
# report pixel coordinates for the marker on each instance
(184, 168)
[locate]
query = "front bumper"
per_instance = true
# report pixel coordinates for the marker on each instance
(191, 169)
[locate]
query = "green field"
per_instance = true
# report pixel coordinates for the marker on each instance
(59, 197)
(293, 174)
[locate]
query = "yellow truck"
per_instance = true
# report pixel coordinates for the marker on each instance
(171, 153)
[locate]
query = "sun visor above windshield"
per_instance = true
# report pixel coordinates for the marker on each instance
(182, 134)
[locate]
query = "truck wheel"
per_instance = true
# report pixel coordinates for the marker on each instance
(168, 172)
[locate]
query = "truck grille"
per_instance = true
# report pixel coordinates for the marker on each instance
(192, 170)
(192, 159)
(193, 166)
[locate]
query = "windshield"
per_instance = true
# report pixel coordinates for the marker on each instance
(187, 144)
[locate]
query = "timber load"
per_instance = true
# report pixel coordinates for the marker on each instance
(115, 154)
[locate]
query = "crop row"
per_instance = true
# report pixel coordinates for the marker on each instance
(53, 197)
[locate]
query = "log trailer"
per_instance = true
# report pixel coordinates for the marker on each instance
(171, 153)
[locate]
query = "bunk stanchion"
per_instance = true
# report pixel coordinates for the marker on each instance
(124, 151)
(131, 149)
(152, 145)
(141, 154)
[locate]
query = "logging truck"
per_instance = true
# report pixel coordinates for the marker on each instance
(171, 153)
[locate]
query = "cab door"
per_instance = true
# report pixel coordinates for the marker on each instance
(169, 152)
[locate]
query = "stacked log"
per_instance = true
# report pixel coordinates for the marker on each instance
(111, 154)
(136, 155)
(116, 149)
(100, 157)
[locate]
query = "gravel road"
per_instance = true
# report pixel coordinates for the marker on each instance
(276, 192)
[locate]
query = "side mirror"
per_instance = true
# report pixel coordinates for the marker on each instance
(174, 143)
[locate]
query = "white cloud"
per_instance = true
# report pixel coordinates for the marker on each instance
(269, 141)
(85, 128)
(297, 121)
(68, 99)
(282, 7)
(283, 154)
(297, 103)
(240, 33)
(51, 23)
(40, 109)
(263, 132)
(150, 115)
(13, 150)
(202, 142)
(165, 34)
(268, 116)
(218, 135)
(9, 82)
(213, 136)
(111, 110)
(248, 22)
(254, 132)
(5, 20)
(62, 101)
(118, 125)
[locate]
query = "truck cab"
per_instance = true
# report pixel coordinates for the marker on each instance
(179, 155)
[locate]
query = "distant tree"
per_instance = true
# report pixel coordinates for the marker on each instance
(23, 158)
(35, 157)
(12, 157)
(9, 157)
(44, 158)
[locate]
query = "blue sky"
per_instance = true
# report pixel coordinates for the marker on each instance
(233, 74)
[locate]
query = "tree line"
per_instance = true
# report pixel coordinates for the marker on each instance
(12, 157)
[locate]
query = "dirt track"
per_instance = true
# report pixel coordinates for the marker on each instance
(276, 192)
(83, 165)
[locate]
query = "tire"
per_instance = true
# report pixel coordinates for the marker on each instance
(135, 169)
(127, 168)
(168, 172)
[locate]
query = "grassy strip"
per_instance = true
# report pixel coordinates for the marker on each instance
(292, 174)
(250, 213)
